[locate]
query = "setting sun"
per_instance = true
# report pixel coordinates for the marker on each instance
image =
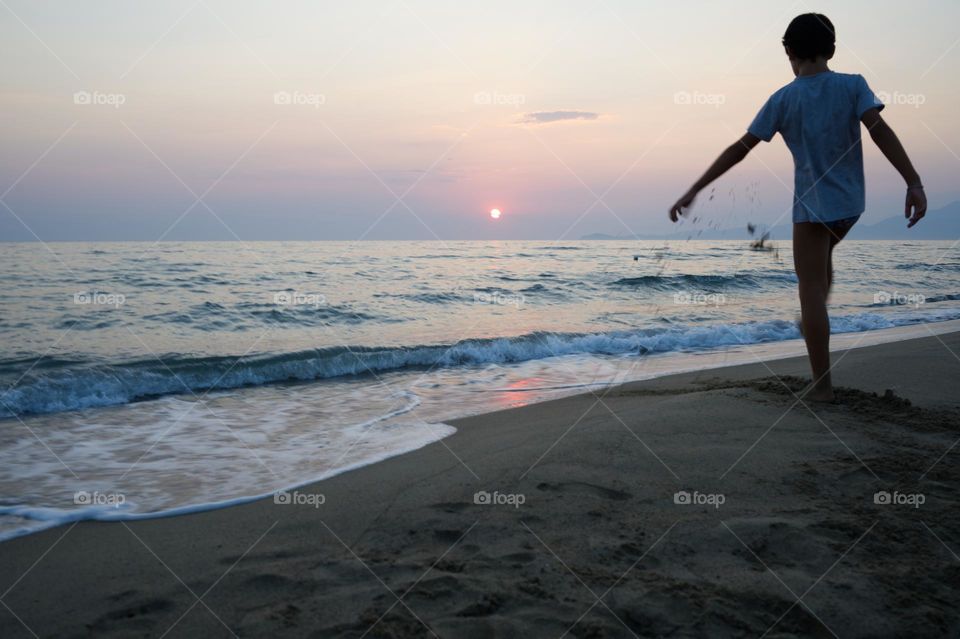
(495, 214)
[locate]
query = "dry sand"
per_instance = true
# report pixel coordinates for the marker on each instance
(598, 547)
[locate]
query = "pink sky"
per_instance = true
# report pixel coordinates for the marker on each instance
(412, 119)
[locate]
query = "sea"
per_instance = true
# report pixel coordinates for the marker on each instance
(143, 380)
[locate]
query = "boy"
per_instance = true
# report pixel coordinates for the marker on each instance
(819, 116)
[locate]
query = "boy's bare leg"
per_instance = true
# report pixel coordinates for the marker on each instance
(812, 246)
(835, 237)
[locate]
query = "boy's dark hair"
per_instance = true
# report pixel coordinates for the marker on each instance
(810, 35)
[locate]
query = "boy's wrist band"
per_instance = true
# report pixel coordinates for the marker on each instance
(915, 186)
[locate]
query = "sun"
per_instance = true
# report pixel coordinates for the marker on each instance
(495, 214)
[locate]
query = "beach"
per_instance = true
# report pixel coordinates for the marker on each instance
(423, 319)
(702, 504)
(204, 376)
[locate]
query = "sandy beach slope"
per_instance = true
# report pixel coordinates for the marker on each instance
(581, 533)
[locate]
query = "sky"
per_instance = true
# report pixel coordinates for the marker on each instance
(412, 119)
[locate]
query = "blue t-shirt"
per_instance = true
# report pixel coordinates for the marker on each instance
(819, 119)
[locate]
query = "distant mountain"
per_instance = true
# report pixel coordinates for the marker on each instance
(940, 224)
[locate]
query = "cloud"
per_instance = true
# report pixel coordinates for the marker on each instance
(548, 117)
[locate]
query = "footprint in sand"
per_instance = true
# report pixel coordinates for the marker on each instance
(585, 488)
(451, 507)
(135, 612)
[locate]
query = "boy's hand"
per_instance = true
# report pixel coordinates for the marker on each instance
(684, 202)
(730, 156)
(916, 200)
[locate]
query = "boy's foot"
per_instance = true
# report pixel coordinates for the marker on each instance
(814, 394)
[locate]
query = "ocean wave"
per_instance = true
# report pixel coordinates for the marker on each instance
(89, 323)
(915, 300)
(663, 282)
(427, 298)
(76, 387)
(210, 316)
(29, 518)
(924, 266)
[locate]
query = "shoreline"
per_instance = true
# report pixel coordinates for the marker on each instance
(699, 362)
(702, 361)
(597, 479)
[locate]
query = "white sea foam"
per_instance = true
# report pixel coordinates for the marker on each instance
(86, 387)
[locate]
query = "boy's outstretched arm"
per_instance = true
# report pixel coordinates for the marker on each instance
(727, 160)
(890, 145)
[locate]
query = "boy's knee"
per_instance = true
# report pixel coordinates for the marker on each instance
(812, 292)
